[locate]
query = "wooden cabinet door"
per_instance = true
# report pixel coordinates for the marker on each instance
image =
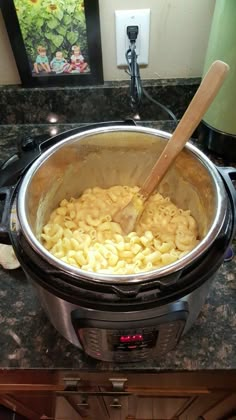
(103, 407)
(139, 407)
(223, 409)
(215, 406)
(90, 408)
(160, 407)
(121, 407)
(32, 405)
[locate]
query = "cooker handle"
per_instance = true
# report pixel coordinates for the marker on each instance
(133, 290)
(6, 196)
(126, 292)
(229, 174)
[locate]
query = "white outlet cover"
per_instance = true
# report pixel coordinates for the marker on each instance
(140, 18)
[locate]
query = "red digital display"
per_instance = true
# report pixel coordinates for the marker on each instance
(131, 338)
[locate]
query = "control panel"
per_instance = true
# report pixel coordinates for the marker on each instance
(133, 340)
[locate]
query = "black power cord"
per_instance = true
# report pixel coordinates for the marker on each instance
(171, 114)
(133, 70)
(136, 88)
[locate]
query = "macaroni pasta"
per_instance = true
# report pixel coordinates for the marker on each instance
(81, 232)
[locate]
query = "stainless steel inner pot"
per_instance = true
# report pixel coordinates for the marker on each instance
(120, 155)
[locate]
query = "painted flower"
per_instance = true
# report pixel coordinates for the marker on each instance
(53, 6)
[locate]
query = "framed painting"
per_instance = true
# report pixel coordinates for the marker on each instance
(55, 42)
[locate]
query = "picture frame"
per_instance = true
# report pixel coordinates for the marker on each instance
(55, 42)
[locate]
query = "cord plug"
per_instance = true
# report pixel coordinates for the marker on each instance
(132, 33)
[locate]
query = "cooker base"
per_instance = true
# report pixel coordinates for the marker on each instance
(127, 336)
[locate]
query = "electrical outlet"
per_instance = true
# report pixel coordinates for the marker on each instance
(140, 18)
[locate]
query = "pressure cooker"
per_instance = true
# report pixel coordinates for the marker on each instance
(119, 318)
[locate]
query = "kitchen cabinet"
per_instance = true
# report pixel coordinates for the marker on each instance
(31, 405)
(31, 394)
(121, 396)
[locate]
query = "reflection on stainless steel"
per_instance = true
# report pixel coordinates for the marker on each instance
(120, 155)
(59, 313)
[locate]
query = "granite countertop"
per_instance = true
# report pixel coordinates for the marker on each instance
(28, 340)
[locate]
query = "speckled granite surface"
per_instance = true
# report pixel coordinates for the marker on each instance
(96, 103)
(28, 340)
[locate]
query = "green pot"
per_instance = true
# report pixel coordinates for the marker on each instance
(221, 115)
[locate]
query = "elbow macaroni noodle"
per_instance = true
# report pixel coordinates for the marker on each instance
(81, 232)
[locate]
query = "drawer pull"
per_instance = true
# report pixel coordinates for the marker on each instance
(118, 384)
(71, 384)
(83, 404)
(116, 403)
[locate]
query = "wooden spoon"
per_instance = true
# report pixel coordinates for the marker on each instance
(209, 87)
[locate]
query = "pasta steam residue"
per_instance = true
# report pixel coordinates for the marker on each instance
(81, 232)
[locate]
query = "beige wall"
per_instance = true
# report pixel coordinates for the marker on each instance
(178, 39)
(8, 70)
(178, 36)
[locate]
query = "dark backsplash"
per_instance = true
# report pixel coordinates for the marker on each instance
(109, 102)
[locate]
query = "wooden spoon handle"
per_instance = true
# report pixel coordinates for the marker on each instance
(202, 99)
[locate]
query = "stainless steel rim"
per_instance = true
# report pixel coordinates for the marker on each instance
(131, 278)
